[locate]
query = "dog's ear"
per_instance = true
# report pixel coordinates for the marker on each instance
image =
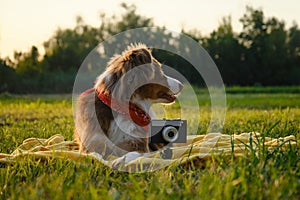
(132, 80)
(138, 57)
(133, 72)
(124, 87)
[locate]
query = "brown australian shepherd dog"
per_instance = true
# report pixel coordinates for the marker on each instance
(103, 128)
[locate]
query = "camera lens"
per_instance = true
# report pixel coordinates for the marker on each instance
(170, 134)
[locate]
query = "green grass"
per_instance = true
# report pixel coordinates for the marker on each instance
(261, 89)
(264, 175)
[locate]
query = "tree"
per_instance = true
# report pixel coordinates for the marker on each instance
(66, 49)
(27, 63)
(129, 20)
(227, 53)
(7, 76)
(275, 55)
(266, 54)
(252, 37)
(294, 54)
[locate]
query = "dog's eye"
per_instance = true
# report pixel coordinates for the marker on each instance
(133, 56)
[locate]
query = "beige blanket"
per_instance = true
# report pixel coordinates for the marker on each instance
(198, 148)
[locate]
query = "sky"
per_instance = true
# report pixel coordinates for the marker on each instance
(24, 23)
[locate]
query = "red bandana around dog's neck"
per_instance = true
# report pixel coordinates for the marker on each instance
(127, 109)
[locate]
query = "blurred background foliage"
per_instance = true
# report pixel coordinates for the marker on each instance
(264, 53)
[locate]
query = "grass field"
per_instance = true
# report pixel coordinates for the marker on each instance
(271, 175)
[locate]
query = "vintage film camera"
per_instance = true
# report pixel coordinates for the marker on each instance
(168, 131)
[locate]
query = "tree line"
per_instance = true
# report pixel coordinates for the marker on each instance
(265, 52)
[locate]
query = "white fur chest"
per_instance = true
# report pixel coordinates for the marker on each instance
(122, 129)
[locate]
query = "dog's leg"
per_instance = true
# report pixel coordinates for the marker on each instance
(130, 156)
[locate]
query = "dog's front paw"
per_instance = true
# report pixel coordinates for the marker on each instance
(130, 156)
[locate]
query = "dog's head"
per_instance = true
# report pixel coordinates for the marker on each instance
(137, 74)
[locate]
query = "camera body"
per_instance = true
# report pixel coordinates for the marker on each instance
(168, 131)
